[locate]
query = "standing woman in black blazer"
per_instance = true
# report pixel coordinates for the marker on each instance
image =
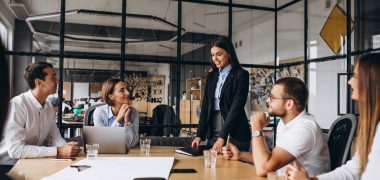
(224, 99)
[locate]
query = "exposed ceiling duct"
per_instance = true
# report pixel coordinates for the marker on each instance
(163, 22)
(19, 10)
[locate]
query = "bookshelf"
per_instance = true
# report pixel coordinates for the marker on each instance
(191, 105)
(195, 88)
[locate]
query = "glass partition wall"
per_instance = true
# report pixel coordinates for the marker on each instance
(161, 48)
(203, 23)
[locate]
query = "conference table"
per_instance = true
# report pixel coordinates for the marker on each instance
(31, 169)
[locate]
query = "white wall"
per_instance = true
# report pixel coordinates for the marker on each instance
(258, 48)
(80, 90)
(323, 91)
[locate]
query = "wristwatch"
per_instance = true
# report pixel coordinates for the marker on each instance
(257, 133)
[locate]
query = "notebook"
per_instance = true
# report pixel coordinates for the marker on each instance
(111, 140)
(192, 151)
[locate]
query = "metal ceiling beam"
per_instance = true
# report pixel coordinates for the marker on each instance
(235, 5)
(129, 58)
(287, 5)
(136, 58)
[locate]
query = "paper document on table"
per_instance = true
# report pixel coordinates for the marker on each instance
(117, 168)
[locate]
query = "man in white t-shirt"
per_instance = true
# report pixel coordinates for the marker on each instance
(299, 137)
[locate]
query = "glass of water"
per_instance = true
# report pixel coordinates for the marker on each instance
(145, 146)
(92, 151)
(210, 158)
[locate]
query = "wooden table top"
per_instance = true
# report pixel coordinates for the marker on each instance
(39, 168)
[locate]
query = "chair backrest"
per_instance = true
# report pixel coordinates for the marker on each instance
(88, 121)
(340, 138)
(164, 115)
(170, 141)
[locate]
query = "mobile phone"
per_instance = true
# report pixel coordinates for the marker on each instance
(66, 158)
(183, 171)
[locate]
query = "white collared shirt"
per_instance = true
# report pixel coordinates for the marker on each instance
(223, 73)
(29, 130)
(303, 138)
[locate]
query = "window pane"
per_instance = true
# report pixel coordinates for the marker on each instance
(203, 23)
(290, 33)
(253, 36)
(193, 79)
(3, 34)
(367, 25)
(319, 12)
(323, 93)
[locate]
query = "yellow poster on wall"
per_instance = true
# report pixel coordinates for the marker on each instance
(335, 28)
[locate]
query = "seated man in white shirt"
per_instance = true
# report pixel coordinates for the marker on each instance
(30, 130)
(299, 137)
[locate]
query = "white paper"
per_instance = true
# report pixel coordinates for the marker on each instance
(118, 168)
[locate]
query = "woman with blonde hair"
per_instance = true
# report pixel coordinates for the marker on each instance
(117, 112)
(365, 84)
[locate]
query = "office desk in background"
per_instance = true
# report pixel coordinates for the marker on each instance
(33, 169)
(73, 126)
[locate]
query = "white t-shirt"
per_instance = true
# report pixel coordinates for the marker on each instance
(303, 138)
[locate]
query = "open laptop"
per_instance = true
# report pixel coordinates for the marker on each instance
(111, 140)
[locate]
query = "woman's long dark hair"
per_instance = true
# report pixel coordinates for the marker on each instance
(226, 44)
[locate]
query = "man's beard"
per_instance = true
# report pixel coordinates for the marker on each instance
(277, 113)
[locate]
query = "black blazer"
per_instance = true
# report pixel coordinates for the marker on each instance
(232, 101)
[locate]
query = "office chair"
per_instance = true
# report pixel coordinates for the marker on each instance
(164, 115)
(340, 138)
(88, 120)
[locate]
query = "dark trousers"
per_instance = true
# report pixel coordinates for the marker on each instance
(216, 125)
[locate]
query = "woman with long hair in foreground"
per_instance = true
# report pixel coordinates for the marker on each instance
(365, 84)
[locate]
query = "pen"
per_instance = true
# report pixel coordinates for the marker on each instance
(79, 167)
(64, 158)
(228, 140)
(54, 159)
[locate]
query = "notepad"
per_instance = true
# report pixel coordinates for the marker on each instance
(192, 151)
(117, 168)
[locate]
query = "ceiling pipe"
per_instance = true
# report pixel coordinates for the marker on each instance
(101, 13)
